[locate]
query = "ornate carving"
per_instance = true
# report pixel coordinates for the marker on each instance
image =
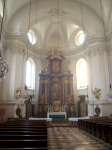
(55, 52)
(46, 81)
(69, 99)
(55, 80)
(41, 81)
(42, 99)
(95, 51)
(57, 11)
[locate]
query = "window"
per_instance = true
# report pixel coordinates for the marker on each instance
(1, 9)
(79, 38)
(81, 72)
(32, 37)
(30, 74)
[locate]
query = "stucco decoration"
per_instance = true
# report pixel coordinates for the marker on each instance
(57, 11)
(95, 51)
(14, 49)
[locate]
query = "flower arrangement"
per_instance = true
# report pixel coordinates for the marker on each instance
(97, 93)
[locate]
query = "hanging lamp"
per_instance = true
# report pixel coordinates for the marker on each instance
(4, 68)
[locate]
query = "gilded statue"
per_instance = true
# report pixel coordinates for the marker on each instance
(69, 99)
(97, 93)
(18, 93)
(42, 99)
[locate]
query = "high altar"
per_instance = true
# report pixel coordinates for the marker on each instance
(56, 87)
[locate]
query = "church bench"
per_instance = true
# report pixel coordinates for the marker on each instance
(30, 127)
(110, 135)
(38, 148)
(22, 143)
(23, 133)
(22, 137)
(95, 125)
(105, 131)
(23, 129)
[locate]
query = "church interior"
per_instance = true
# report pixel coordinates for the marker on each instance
(56, 63)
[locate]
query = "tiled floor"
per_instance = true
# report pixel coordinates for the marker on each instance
(70, 138)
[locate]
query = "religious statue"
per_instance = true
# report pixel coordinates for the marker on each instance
(18, 93)
(97, 93)
(42, 99)
(69, 99)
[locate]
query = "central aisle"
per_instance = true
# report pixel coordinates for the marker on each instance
(70, 138)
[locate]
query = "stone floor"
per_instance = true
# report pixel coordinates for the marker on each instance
(70, 138)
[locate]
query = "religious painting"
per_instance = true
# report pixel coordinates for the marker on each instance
(55, 66)
(97, 110)
(55, 92)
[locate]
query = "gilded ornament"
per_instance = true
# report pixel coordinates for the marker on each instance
(97, 93)
(40, 81)
(18, 93)
(42, 99)
(46, 81)
(55, 80)
(69, 99)
(55, 51)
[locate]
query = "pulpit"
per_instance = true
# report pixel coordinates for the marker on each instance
(55, 83)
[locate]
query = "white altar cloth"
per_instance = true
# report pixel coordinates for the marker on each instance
(56, 113)
(47, 119)
(76, 119)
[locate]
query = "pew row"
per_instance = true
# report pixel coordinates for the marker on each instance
(23, 134)
(100, 128)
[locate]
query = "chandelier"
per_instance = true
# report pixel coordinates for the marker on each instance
(4, 69)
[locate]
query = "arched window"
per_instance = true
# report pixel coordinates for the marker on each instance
(1, 9)
(81, 72)
(30, 74)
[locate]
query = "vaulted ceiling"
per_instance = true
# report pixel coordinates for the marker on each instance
(53, 28)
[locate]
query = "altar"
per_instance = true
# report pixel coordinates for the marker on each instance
(56, 94)
(57, 115)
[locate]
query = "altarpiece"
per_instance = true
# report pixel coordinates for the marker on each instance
(56, 87)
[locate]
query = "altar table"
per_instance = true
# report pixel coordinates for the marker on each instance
(56, 115)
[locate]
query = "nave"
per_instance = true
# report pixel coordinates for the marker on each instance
(70, 138)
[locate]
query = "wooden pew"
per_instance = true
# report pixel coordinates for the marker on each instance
(110, 135)
(23, 135)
